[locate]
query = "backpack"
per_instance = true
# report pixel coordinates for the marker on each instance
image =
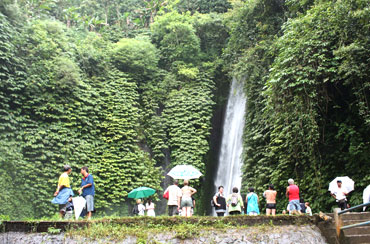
(166, 195)
(234, 200)
(135, 210)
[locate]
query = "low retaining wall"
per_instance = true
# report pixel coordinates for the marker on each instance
(285, 234)
(43, 226)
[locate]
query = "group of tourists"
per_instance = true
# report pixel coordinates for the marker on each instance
(139, 208)
(180, 201)
(234, 204)
(63, 194)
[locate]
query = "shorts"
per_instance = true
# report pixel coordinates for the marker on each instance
(63, 207)
(294, 205)
(89, 203)
(342, 204)
(186, 202)
(236, 212)
(271, 205)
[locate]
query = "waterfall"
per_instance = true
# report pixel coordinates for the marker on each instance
(230, 161)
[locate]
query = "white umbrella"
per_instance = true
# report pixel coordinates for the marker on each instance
(184, 172)
(78, 204)
(366, 195)
(347, 184)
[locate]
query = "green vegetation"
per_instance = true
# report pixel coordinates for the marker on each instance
(93, 88)
(116, 229)
(307, 80)
(53, 231)
(130, 88)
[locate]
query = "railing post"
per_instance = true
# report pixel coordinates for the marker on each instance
(338, 220)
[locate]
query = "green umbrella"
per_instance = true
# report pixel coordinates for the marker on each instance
(141, 192)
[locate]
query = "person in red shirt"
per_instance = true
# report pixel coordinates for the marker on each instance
(292, 192)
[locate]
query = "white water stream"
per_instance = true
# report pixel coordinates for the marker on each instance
(230, 161)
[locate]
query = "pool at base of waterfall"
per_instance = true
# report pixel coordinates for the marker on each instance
(263, 234)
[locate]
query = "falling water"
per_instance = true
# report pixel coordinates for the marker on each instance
(229, 162)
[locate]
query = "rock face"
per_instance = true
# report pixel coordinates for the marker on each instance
(304, 234)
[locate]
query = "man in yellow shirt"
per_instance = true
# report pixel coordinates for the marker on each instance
(63, 191)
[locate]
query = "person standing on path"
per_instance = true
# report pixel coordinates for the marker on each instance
(292, 192)
(340, 195)
(63, 191)
(174, 198)
(270, 196)
(140, 207)
(235, 202)
(220, 202)
(186, 199)
(252, 203)
(149, 207)
(87, 190)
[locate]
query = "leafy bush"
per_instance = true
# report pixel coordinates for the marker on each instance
(138, 58)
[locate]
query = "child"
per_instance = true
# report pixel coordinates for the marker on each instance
(140, 207)
(308, 209)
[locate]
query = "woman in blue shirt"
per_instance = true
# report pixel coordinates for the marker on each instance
(252, 202)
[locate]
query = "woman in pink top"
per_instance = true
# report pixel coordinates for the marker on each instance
(270, 196)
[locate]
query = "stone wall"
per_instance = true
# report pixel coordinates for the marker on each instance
(285, 234)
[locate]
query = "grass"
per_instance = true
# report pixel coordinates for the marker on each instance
(115, 229)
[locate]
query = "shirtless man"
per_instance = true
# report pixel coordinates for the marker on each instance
(186, 200)
(270, 196)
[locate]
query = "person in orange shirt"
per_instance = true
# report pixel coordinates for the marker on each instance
(270, 196)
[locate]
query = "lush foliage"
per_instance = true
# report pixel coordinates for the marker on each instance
(308, 94)
(131, 88)
(72, 96)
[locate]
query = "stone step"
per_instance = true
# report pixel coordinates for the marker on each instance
(356, 216)
(358, 239)
(357, 230)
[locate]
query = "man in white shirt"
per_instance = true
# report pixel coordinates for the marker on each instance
(174, 198)
(340, 195)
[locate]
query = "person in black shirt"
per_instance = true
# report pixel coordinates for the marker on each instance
(220, 202)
